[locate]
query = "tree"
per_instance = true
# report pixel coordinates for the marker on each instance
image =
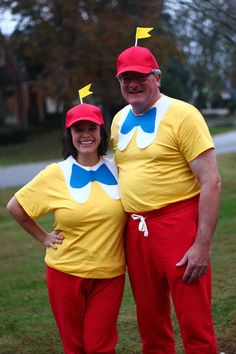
(206, 33)
(67, 44)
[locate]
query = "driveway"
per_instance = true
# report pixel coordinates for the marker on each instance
(18, 175)
(225, 143)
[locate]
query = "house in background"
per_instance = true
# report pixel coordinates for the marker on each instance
(21, 102)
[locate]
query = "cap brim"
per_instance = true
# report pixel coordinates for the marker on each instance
(135, 68)
(90, 119)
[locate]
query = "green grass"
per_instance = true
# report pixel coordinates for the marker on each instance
(40, 146)
(26, 323)
(219, 130)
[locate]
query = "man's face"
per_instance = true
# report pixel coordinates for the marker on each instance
(140, 90)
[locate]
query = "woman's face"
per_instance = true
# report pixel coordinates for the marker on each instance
(86, 138)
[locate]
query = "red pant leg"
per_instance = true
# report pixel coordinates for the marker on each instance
(177, 229)
(192, 304)
(151, 294)
(68, 307)
(152, 267)
(86, 311)
(102, 309)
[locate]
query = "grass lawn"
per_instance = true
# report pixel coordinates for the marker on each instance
(27, 325)
(40, 146)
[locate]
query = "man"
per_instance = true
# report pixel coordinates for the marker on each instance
(170, 186)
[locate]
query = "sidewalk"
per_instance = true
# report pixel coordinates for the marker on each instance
(225, 142)
(18, 175)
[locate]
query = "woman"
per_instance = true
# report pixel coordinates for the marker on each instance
(85, 260)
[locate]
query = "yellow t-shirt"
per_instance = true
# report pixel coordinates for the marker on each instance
(92, 226)
(156, 172)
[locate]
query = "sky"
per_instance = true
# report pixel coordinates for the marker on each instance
(7, 23)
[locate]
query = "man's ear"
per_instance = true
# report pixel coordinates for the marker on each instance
(158, 78)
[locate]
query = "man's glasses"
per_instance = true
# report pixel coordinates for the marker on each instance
(127, 79)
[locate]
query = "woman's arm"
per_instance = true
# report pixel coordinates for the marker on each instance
(30, 226)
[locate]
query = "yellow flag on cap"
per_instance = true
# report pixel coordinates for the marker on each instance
(85, 91)
(142, 32)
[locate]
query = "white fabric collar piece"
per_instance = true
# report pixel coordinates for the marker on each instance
(143, 139)
(82, 194)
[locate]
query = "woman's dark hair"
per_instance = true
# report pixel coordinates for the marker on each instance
(69, 149)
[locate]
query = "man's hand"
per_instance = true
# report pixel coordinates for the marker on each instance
(197, 259)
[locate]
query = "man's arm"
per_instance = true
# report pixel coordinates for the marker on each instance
(197, 257)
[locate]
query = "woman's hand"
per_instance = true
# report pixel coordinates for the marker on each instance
(53, 238)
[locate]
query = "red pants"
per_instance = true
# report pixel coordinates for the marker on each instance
(86, 311)
(154, 277)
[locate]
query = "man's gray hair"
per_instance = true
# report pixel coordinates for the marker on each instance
(156, 71)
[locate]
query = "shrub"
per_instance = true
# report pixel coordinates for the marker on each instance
(12, 134)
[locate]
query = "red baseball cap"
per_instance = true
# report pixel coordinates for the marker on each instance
(84, 111)
(136, 58)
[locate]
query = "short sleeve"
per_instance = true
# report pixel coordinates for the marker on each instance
(193, 136)
(36, 197)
